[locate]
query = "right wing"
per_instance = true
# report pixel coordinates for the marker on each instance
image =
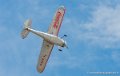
(57, 20)
(44, 55)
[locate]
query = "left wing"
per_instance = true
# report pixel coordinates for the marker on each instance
(44, 55)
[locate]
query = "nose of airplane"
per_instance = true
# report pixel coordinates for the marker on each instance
(66, 44)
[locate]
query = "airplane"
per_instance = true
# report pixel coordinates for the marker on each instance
(49, 39)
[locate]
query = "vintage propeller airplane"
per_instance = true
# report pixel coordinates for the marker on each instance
(49, 39)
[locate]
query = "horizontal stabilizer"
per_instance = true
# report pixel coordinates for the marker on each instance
(25, 30)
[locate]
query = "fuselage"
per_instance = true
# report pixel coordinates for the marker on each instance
(49, 37)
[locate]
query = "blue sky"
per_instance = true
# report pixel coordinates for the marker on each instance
(92, 26)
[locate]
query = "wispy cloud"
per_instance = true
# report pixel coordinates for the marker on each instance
(101, 30)
(104, 26)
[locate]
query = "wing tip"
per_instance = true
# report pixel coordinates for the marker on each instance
(62, 7)
(39, 69)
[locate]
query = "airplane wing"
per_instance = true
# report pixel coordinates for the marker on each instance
(47, 47)
(57, 20)
(44, 55)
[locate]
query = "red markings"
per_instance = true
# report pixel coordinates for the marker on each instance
(43, 58)
(57, 20)
(61, 22)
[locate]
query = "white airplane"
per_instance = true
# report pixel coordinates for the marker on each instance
(49, 39)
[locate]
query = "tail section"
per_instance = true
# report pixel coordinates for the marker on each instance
(25, 30)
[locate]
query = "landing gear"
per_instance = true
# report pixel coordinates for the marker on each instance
(64, 36)
(59, 49)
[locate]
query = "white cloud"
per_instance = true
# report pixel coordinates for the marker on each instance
(103, 29)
